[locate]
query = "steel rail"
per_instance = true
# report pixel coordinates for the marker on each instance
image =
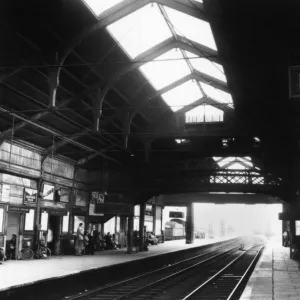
(211, 279)
(172, 275)
(245, 274)
(166, 268)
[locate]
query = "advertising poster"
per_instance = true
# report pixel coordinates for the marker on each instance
(48, 192)
(5, 193)
(30, 196)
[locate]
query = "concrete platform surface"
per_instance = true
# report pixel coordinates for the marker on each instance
(24, 272)
(275, 277)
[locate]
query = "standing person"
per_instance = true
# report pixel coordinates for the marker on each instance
(93, 239)
(11, 249)
(2, 255)
(79, 240)
(285, 238)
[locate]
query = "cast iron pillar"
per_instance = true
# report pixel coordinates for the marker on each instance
(190, 224)
(142, 221)
(130, 234)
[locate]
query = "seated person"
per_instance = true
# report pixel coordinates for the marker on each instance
(100, 242)
(110, 244)
(11, 247)
(152, 239)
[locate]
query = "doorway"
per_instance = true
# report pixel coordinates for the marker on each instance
(53, 233)
(13, 227)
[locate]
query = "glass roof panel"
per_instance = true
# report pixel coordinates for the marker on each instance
(99, 6)
(192, 28)
(141, 30)
(206, 66)
(234, 160)
(166, 69)
(182, 95)
(216, 94)
(211, 114)
(236, 166)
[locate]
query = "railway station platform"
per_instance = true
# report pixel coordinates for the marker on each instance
(16, 274)
(275, 277)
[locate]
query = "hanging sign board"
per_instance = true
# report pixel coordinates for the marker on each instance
(176, 214)
(92, 210)
(53, 212)
(30, 196)
(18, 209)
(48, 192)
(5, 193)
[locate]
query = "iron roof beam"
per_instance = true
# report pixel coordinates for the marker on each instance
(56, 133)
(7, 133)
(216, 83)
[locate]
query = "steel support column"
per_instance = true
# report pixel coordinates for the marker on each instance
(190, 223)
(142, 222)
(130, 234)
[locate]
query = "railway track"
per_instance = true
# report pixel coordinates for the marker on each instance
(177, 281)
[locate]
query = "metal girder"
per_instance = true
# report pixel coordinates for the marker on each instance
(192, 8)
(216, 83)
(197, 49)
(62, 143)
(7, 133)
(86, 159)
(57, 134)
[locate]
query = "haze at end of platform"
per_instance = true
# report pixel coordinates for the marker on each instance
(239, 219)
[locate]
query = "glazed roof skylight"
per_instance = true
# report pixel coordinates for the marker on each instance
(182, 95)
(232, 162)
(166, 69)
(191, 28)
(99, 6)
(140, 31)
(204, 113)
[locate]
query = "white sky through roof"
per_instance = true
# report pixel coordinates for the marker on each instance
(211, 114)
(206, 66)
(191, 28)
(234, 160)
(163, 73)
(141, 30)
(182, 95)
(216, 94)
(99, 6)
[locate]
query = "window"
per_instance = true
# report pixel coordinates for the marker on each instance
(1, 218)
(29, 220)
(204, 113)
(65, 223)
(166, 69)
(99, 6)
(137, 210)
(141, 30)
(44, 221)
(182, 95)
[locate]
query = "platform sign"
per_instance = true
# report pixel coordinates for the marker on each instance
(176, 214)
(18, 209)
(297, 227)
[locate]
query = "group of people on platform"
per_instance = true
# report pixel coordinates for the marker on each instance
(10, 249)
(87, 242)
